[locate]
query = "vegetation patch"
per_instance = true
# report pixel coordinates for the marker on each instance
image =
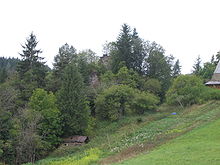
(198, 147)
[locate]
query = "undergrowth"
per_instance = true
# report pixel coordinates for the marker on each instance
(117, 141)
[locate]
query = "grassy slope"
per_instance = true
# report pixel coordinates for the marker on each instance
(198, 147)
(122, 140)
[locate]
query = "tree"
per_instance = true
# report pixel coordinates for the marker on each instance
(197, 66)
(3, 75)
(64, 57)
(87, 63)
(113, 103)
(72, 102)
(207, 71)
(185, 90)
(49, 126)
(153, 86)
(126, 78)
(129, 49)
(158, 66)
(121, 100)
(29, 142)
(217, 57)
(138, 53)
(31, 69)
(176, 71)
(144, 101)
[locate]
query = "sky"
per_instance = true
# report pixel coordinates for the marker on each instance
(185, 28)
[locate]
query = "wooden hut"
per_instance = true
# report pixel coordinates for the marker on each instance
(76, 140)
(215, 81)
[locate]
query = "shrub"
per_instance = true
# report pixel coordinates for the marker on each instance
(153, 86)
(144, 101)
(114, 102)
(185, 90)
(119, 100)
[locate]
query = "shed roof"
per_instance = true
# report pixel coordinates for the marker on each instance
(76, 139)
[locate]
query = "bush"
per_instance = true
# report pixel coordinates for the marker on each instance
(153, 86)
(188, 90)
(144, 101)
(114, 102)
(185, 90)
(119, 100)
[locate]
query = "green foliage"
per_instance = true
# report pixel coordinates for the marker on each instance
(108, 78)
(129, 49)
(176, 70)
(64, 57)
(188, 90)
(197, 66)
(199, 146)
(118, 140)
(91, 126)
(86, 158)
(87, 64)
(31, 69)
(207, 71)
(7, 68)
(49, 126)
(119, 100)
(29, 144)
(143, 102)
(3, 75)
(125, 77)
(113, 103)
(159, 66)
(153, 86)
(72, 103)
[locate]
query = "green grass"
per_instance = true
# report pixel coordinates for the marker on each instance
(117, 141)
(198, 147)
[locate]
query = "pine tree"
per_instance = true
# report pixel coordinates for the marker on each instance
(31, 69)
(138, 53)
(72, 102)
(3, 75)
(129, 50)
(176, 69)
(64, 57)
(123, 49)
(197, 66)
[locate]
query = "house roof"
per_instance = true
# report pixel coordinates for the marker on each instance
(217, 69)
(213, 83)
(76, 139)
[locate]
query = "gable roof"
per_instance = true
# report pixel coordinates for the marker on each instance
(217, 69)
(215, 77)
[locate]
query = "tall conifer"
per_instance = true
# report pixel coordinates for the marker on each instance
(72, 102)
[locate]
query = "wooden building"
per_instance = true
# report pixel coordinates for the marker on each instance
(215, 81)
(75, 140)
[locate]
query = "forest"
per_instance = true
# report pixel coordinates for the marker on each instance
(39, 105)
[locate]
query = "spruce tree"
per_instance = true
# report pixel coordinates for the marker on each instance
(72, 102)
(31, 69)
(129, 50)
(64, 57)
(197, 66)
(176, 69)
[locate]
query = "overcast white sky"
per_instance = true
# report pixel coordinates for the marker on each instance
(185, 28)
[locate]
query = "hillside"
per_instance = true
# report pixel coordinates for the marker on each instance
(132, 136)
(198, 147)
